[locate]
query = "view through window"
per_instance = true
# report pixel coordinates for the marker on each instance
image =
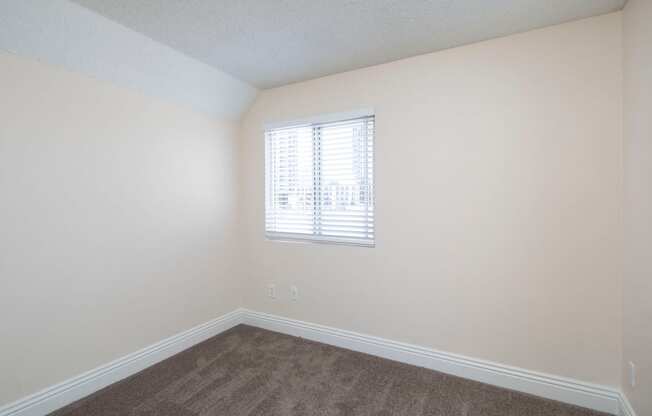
(319, 181)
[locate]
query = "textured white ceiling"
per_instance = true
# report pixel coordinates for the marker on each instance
(274, 42)
(66, 34)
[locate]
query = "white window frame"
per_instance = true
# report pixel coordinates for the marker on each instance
(311, 238)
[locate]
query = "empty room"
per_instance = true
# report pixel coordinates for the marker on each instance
(329, 208)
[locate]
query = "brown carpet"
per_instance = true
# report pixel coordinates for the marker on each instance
(250, 371)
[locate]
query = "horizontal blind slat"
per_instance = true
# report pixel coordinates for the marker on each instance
(319, 182)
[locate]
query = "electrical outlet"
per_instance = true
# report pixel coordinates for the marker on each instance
(294, 292)
(632, 374)
(271, 291)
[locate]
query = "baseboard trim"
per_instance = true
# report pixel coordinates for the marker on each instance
(71, 390)
(565, 390)
(626, 408)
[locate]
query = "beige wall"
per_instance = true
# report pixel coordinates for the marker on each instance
(637, 288)
(116, 215)
(499, 203)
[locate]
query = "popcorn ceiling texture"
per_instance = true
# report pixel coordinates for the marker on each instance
(271, 43)
(65, 34)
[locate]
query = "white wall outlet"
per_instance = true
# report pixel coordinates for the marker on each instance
(294, 293)
(271, 291)
(632, 374)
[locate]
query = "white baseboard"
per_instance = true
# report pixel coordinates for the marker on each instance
(626, 408)
(71, 390)
(565, 390)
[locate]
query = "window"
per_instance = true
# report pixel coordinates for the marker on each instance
(319, 180)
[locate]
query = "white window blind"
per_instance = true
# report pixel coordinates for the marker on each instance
(319, 181)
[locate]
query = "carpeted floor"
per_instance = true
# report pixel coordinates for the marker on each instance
(250, 371)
